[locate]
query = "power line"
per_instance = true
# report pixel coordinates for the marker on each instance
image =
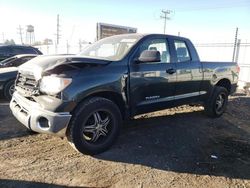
(214, 6)
(231, 44)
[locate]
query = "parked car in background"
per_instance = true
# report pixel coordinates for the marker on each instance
(7, 51)
(17, 60)
(7, 81)
(8, 72)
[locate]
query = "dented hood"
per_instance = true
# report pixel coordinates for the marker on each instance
(8, 70)
(37, 66)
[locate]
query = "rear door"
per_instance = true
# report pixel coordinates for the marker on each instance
(151, 87)
(189, 73)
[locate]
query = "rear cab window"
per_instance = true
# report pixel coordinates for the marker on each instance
(182, 51)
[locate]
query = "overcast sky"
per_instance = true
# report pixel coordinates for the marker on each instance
(200, 20)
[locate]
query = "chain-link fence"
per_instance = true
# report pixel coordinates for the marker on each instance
(61, 49)
(206, 51)
(239, 53)
(224, 52)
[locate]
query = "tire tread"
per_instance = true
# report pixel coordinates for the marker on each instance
(77, 112)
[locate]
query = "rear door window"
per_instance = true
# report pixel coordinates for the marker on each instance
(182, 51)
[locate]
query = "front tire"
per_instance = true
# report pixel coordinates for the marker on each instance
(9, 89)
(216, 105)
(95, 126)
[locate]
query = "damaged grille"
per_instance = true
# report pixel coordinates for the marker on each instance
(27, 84)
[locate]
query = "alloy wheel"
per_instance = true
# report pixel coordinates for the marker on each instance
(97, 126)
(220, 101)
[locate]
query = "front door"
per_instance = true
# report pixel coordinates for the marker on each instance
(152, 84)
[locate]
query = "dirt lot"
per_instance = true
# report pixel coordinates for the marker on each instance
(173, 148)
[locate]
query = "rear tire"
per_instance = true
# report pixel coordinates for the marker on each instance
(9, 89)
(95, 125)
(217, 103)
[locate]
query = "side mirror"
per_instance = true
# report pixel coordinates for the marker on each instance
(150, 56)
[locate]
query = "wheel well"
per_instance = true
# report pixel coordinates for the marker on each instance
(225, 83)
(114, 97)
(8, 81)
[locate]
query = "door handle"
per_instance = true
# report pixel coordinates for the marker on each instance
(171, 71)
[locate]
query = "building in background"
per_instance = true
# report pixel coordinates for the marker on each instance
(106, 30)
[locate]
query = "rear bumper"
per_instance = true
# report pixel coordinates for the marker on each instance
(34, 117)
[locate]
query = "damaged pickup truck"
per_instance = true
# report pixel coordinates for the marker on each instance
(86, 97)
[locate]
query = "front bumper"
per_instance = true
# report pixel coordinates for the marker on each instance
(34, 117)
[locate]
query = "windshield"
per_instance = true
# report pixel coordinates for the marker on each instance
(112, 48)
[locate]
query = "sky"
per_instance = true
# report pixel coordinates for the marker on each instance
(200, 20)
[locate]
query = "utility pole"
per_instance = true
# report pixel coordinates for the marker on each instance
(57, 30)
(3, 37)
(80, 45)
(20, 32)
(57, 33)
(165, 17)
(235, 43)
(237, 51)
(67, 45)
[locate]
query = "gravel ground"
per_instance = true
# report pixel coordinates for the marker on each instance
(179, 147)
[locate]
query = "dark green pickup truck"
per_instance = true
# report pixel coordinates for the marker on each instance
(87, 97)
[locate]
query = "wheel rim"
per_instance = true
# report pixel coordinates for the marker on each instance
(97, 127)
(11, 90)
(220, 101)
